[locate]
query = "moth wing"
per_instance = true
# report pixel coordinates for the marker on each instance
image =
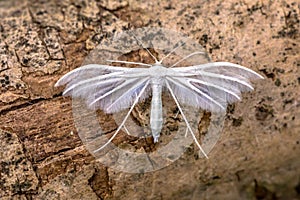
(187, 94)
(222, 68)
(88, 71)
(111, 89)
(119, 96)
(212, 86)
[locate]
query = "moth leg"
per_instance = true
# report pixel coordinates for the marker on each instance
(126, 130)
(183, 116)
(176, 114)
(125, 118)
(187, 130)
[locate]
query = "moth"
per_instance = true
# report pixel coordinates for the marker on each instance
(211, 86)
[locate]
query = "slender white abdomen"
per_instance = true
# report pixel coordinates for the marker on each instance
(156, 119)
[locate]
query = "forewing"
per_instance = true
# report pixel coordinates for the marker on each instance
(111, 89)
(88, 71)
(211, 86)
(222, 68)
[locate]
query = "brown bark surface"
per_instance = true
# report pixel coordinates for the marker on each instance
(41, 155)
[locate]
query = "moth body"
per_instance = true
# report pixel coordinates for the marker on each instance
(156, 119)
(157, 73)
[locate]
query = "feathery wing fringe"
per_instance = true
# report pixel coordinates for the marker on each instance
(103, 86)
(211, 86)
(90, 70)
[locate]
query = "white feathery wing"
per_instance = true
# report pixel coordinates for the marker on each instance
(211, 86)
(111, 89)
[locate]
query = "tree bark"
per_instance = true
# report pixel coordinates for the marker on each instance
(42, 156)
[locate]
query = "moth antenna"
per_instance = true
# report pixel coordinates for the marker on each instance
(125, 118)
(156, 61)
(186, 57)
(128, 62)
(184, 118)
(172, 52)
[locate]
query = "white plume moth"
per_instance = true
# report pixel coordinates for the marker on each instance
(209, 86)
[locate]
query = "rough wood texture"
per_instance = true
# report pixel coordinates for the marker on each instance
(41, 155)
